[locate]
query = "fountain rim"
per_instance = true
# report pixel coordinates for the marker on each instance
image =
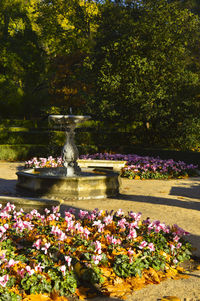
(68, 118)
(98, 174)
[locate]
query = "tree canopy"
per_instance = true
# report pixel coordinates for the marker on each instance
(123, 61)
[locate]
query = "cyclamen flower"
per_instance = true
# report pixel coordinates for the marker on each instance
(97, 245)
(11, 263)
(86, 233)
(37, 244)
(172, 247)
(151, 247)
(63, 269)
(56, 231)
(132, 234)
(82, 214)
(68, 216)
(113, 240)
(176, 238)
(2, 230)
(133, 225)
(39, 268)
(108, 219)
(179, 245)
(96, 259)
(21, 272)
(135, 216)
(71, 210)
(47, 211)
(130, 252)
(143, 244)
(119, 213)
(122, 223)
(29, 270)
(3, 280)
(46, 247)
(68, 259)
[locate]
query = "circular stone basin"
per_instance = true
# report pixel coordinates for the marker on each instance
(51, 182)
(68, 119)
(28, 204)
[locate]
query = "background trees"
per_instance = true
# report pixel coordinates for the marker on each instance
(131, 64)
(144, 67)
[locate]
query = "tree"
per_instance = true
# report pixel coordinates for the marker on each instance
(143, 68)
(66, 29)
(21, 61)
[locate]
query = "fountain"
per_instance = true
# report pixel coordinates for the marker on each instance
(68, 182)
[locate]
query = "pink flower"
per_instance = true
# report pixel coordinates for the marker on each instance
(97, 245)
(99, 225)
(47, 211)
(86, 233)
(68, 259)
(121, 223)
(82, 214)
(130, 252)
(143, 244)
(3, 280)
(172, 247)
(175, 261)
(96, 259)
(46, 247)
(37, 244)
(135, 216)
(113, 240)
(29, 270)
(63, 269)
(151, 247)
(119, 213)
(55, 209)
(11, 263)
(179, 245)
(71, 210)
(132, 234)
(108, 219)
(39, 268)
(176, 238)
(21, 272)
(133, 225)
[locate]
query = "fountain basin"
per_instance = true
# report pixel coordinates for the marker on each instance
(50, 182)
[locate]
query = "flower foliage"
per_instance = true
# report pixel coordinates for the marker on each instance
(137, 167)
(49, 254)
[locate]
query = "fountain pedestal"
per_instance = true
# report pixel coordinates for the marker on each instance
(70, 152)
(68, 182)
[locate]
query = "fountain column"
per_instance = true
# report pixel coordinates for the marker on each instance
(70, 152)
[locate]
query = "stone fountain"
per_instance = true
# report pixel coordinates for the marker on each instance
(68, 182)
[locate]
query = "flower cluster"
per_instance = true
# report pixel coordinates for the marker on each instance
(45, 253)
(44, 162)
(137, 167)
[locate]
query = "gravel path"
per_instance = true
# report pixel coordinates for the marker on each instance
(172, 202)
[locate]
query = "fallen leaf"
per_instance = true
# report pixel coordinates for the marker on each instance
(37, 297)
(170, 298)
(81, 292)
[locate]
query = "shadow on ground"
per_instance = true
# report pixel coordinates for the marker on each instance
(7, 187)
(193, 191)
(194, 205)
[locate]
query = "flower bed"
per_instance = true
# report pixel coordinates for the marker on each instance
(55, 256)
(137, 167)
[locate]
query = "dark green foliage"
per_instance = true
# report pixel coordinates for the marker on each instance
(143, 69)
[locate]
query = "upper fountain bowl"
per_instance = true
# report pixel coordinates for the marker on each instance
(68, 119)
